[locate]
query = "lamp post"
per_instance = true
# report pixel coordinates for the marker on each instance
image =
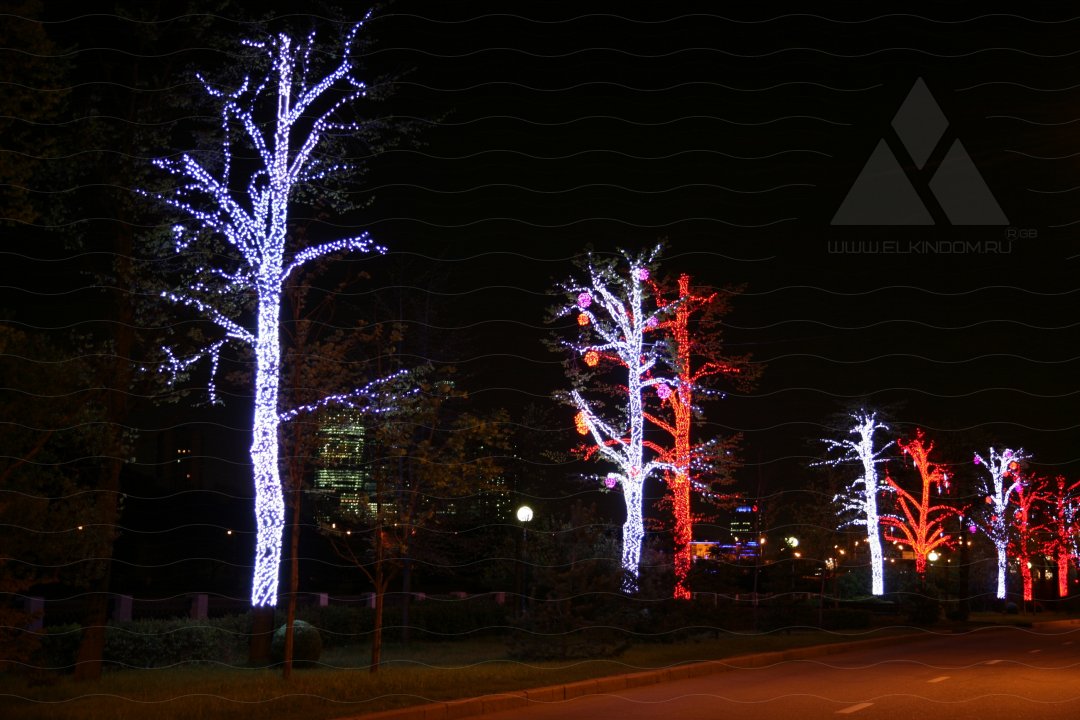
(524, 516)
(792, 543)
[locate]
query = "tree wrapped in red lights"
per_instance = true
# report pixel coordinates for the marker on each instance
(1063, 506)
(919, 523)
(1027, 534)
(693, 357)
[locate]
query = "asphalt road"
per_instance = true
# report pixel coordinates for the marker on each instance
(994, 674)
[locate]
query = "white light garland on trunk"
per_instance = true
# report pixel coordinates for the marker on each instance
(255, 226)
(861, 499)
(614, 327)
(1004, 479)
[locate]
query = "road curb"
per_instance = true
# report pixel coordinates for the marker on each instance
(469, 707)
(1054, 624)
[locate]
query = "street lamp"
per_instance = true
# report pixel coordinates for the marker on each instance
(793, 542)
(524, 516)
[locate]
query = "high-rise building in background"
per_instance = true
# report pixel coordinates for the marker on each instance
(741, 541)
(348, 458)
(343, 471)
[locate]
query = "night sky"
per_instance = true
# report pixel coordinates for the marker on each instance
(734, 133)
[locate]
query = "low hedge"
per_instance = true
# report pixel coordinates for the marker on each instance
(178, 641)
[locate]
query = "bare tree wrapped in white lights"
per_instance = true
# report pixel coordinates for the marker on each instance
(613, 321)
(858, 505)
(237, 212)
(1004, 480)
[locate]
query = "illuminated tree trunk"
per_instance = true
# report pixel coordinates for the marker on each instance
(682, 533)
(1063, 574)
(1001, 468)
(863, 502)
(269, 503)
(633, 530)
(873, 524)
(1002, 568)
(682, 404)
(1023, 554)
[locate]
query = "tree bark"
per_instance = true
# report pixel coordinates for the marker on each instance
(116, 379)
(406, 597)
(380, 592)
(262, 634)
(294, 580)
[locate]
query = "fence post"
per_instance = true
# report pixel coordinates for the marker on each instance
(35, 607)
(199, 606)
(121, 611)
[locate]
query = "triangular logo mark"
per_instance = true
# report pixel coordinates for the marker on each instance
(883, 193)
(963, 193)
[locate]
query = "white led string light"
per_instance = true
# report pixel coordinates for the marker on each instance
(612, 304)
(256, 227)
(1004, 480)
(860, 501)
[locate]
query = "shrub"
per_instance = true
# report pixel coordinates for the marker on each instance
(307, 644)
(59, 647)
(593, 625)
(178, 641)
(454, 619)
(338, 625)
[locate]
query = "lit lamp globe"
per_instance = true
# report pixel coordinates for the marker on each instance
(524, 514)
(933, 556)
